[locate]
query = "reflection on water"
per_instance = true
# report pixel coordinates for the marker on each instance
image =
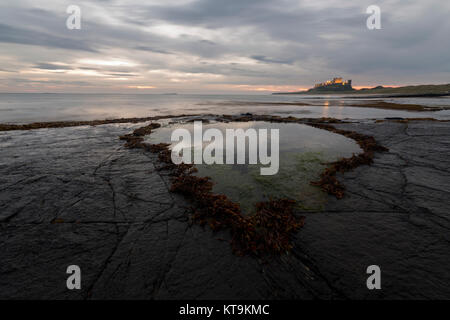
(304, 150)
(326, 105)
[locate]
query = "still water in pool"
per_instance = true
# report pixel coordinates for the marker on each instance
(304, 153)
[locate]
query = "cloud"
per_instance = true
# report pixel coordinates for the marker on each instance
(150, 49)
(51, 66)
(238, 44)
(10, 34)
(269, 60)
(122, 74)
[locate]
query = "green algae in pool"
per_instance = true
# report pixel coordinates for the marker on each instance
(304, 153)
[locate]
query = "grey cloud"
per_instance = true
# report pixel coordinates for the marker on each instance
(270, 60)
(208, 42)
(150, 49)
(58, 82)
(51, 66)
(122, 74)
(30, 37)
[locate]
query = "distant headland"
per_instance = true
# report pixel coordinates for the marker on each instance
(338, 86)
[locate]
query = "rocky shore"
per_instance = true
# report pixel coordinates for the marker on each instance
(76, 195)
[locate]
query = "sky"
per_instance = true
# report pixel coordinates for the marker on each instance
(226, 46)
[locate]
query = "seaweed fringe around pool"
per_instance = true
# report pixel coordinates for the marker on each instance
(270, 229)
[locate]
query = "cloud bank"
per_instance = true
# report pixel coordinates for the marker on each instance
(212, 46)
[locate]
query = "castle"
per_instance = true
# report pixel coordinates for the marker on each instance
(335, 84)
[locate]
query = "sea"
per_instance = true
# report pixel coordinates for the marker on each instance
(36, 107)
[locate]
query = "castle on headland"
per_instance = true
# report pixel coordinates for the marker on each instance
(337, 84)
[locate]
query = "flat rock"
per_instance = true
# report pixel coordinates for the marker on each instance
(77, 196)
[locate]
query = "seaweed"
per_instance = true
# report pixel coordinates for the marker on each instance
(65, 124)
(379, 104)
(407, 120)
(135, 139)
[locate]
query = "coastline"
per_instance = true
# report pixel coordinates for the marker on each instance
(417, 91)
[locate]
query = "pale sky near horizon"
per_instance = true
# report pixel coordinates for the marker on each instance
(211, 46)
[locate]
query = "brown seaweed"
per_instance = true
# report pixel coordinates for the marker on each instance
(64, 124)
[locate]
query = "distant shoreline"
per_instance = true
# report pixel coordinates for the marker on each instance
(420, 91)
(358, 95)
(375, 104)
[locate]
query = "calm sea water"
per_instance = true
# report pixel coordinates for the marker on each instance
(22, 108)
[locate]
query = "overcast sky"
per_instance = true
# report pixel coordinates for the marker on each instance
(226, 46)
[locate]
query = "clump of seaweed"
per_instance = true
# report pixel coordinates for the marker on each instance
(158, 147)
(135, 139)
(275, 222)
(142, 131)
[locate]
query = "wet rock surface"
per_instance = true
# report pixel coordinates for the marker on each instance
(395, 215)
(77, 196)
